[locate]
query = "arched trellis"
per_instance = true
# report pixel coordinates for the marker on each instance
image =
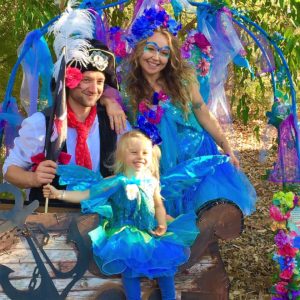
(245, 23)
(237, 17)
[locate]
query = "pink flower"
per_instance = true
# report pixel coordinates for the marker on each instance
(143, 107)
(73, 77)
(281, 287)
(287, 250)
(120, 50)
(207, 51)
(162, 96)
(243, 52)
(201, 41)
(203, 66)
(286, 274)
(276, 214)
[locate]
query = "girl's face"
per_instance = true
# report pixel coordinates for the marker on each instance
(138, 155)
(155, 55)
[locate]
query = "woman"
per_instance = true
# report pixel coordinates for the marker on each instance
(162, 86)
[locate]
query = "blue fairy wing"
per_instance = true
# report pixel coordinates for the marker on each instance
(99, 194)
(188, 174)
(77, 178)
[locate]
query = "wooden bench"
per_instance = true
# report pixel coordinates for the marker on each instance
(203, 277)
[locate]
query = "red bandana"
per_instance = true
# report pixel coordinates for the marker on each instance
(82, 153)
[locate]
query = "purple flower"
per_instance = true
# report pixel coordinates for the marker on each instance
(201, 41)
(281, 239)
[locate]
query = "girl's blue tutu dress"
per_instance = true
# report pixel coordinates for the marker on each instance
(184, 139)
(122, 242)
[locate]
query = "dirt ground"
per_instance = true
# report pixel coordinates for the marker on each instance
(248, 259)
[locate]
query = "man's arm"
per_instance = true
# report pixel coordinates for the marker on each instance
(30, 142)
(21, 178)
(208, 121)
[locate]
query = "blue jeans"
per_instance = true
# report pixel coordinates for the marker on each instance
(132, 287)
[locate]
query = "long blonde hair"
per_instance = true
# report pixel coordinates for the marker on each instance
(175, 77)
(123, 143)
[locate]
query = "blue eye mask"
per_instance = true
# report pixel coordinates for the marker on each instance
(152, 47)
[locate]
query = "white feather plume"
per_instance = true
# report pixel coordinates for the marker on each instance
(71, 30)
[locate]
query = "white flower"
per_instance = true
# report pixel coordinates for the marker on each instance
(132, 191)
(99, 60)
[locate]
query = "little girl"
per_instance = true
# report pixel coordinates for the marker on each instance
(133, 238)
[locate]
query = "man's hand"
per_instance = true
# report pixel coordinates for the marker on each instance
(44, 173)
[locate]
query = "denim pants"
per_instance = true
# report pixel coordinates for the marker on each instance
(132, 287)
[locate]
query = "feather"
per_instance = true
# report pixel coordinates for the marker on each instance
(71, 29)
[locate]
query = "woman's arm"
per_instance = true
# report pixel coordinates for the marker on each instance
(211, 124)
(114, 110)
(51, 192)
(160, 214)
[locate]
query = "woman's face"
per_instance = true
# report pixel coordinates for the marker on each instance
(155, 55)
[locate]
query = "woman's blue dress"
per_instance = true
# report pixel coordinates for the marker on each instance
(184, 139)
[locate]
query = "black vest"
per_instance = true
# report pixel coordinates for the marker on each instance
(108, 139)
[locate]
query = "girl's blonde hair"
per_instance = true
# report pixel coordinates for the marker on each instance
(176, 77)
(123, 143)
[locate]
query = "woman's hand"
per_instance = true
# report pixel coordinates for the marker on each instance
(159, 231)
(234, 160)
(51, 192)
(114, 110)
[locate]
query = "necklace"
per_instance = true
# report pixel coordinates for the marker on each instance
(152, 110)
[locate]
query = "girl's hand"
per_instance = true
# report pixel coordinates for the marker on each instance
(159, 231)
(51, 192)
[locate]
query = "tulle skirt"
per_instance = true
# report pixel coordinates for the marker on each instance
(136, 253)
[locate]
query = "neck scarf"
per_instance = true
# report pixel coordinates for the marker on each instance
(82, 153)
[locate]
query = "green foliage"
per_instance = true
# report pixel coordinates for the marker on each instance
(277, 18)
(17, 18)
(250, 97)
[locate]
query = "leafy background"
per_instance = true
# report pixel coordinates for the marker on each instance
(248, 258)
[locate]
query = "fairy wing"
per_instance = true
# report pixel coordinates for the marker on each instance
(187, 174)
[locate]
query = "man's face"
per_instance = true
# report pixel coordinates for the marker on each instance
(89, 90)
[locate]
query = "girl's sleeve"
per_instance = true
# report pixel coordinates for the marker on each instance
(99, 194)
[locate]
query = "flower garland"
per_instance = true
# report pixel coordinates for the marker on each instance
(287, 254)
(153, 111)
(198, 49)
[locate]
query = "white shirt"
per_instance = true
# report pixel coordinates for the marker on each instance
(31, 141)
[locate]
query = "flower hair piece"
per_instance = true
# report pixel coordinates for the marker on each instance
(151, 19)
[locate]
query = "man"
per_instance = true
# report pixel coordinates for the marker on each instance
(90, 139)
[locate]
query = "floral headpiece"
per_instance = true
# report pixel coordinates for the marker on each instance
(198, 50)
(151, 19)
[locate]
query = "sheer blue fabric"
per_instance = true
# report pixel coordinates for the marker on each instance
(186, 139)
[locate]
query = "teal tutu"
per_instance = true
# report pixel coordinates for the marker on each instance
(136, 253)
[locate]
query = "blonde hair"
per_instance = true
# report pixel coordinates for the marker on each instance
(120, 166)
(176, 77)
